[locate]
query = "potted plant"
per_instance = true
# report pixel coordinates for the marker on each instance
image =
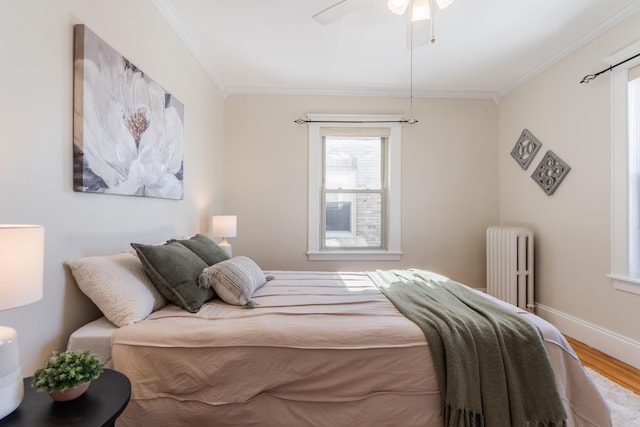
(67, 374)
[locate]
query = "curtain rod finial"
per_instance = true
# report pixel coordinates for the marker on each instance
(588, 78)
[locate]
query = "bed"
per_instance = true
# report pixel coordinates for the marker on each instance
(317, 349)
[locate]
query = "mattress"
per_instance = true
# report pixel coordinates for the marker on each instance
(319, 349)
(96, 337)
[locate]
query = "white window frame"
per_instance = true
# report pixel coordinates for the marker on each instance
(394, 239)
(620, 276)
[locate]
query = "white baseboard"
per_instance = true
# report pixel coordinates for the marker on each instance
(615, 345)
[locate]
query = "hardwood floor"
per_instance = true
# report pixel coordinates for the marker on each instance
(617, 371)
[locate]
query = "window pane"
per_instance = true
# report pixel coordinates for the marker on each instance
(353, 163)
(339, 216)
(353, 220)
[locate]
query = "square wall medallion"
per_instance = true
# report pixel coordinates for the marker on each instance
(550, 172)
(525, 149)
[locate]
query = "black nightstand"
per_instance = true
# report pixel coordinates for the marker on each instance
(100, 405)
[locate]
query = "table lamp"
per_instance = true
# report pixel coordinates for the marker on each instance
(224, 226)
(21, 272)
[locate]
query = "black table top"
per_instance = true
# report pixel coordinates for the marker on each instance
(100, 405)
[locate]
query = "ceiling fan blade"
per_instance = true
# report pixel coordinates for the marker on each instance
(338, 10)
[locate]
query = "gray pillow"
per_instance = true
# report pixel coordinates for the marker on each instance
(234, 280)
(205, 248)
(174, 271)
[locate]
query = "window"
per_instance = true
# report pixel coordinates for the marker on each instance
(353, 191)
(354, 188)
(634, 171)
(625, 244)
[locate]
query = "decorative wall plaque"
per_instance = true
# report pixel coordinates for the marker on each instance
(525, 149)
(550, 172)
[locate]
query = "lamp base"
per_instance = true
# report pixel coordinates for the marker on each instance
(11, 384)
(225, 245)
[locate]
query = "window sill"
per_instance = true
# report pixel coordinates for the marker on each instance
(627, 284)
(354, 256)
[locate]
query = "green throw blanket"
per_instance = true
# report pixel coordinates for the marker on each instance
(491, 364)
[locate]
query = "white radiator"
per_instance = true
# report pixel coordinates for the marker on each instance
(510, 265)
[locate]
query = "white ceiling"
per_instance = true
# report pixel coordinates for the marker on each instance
(483, 49)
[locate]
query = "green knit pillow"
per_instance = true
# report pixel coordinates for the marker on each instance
(174, 271)
(205, 248)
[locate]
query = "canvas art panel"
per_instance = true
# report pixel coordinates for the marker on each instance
(128, 132)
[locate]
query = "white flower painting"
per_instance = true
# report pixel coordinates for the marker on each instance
(128, 131)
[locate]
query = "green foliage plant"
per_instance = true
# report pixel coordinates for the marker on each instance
(66, 370)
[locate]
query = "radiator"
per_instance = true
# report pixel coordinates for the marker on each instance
(510, 265)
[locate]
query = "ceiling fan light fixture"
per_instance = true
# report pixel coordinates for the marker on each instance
(443, 4)
(398, 6)
(420, 10)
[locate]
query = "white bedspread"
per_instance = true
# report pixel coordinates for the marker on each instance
(324, 349)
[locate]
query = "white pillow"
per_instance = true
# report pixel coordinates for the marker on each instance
(234, 280)
(118, 285)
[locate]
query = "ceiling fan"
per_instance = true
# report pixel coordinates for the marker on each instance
(419, 13)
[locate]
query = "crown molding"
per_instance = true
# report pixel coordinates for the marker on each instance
(167, 11)
(631, 7)
(371, 92)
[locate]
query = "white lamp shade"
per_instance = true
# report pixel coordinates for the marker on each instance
(21, 264)
(223, 225)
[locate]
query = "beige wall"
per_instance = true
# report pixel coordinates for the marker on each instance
(36, 145)
(573, 225)
(449, 180)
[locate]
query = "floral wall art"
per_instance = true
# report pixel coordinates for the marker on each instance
(127, 131)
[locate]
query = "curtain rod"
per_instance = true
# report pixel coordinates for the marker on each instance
(589, 77)
(408, 121)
